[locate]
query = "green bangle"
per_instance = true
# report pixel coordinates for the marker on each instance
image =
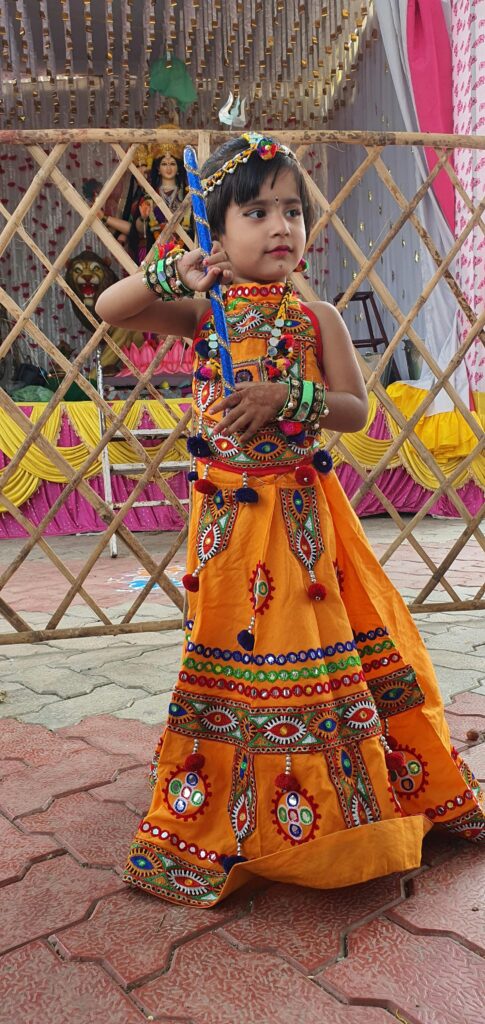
(303, 411)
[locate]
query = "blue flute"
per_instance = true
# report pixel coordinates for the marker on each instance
(205, 242)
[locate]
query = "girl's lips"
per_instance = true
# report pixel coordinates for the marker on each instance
(282, 249)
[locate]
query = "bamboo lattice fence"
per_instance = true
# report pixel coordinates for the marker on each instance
(123, 143)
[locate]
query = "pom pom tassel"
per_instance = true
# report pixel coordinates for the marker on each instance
(246, 495)
(194, 762)
(229, 862)
(287, 783)
(197, 445)
(246, 636)
(192, 475)
(305, 475)
(191, 580)
(323, 461)
(205, 486)
(394, 760)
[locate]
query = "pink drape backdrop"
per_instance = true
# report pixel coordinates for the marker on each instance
(77, 516)
(430, 64)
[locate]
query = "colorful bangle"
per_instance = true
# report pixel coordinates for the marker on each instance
(295, 389)
(318, 407)
(303, 411)
(161, 277)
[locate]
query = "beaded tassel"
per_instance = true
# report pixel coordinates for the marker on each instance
(394, 758)
(285, 780)
(246, 495)
(246, 637)
(194, 761)
(205, 486)
(191, 579)
(316, 591)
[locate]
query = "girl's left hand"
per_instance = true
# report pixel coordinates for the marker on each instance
(250, 407)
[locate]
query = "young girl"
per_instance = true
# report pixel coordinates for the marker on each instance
(306, 741)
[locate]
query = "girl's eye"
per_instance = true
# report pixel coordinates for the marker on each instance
(255, 214)
(295, 213)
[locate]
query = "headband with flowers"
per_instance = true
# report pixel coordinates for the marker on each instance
(265, 148)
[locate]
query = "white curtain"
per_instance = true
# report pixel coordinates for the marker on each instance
(441, 310)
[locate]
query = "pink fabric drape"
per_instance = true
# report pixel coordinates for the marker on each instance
(429, 56)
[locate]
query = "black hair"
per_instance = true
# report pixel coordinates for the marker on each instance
(245, 183)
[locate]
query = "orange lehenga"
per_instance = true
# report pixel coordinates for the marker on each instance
(321, 756)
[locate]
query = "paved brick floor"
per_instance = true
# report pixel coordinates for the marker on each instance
(78, 724)
(79, 947)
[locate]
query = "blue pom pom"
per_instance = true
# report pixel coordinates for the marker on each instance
(323, 461)
(202, 349)
(297, 439)
(192, 475)
(229, 862)
(246, 495)
(246, 639)
(197, 446)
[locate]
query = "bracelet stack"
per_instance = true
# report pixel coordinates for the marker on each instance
(305, 402)
(161, 274)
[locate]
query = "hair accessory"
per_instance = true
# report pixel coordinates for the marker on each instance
(264, 147)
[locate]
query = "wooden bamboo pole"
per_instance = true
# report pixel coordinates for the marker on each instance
(30, 196)
(291, 137)
(150, 583)
(437, 576)
(36, 636)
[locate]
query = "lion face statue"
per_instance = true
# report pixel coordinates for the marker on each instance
(88, 275)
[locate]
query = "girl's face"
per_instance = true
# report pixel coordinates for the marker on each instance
(265, 239)
(168, 167)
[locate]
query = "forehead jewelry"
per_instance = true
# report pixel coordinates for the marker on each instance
(265, 148)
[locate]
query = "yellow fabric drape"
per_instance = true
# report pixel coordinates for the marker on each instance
(446, 435)
(35, 467)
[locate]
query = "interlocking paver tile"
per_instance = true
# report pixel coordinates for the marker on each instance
(475, 759)
(36, 987)
(468, 703)
(308, 924)
(20, 850)
(461, 725)
(9, 767)
(135, 933)
(131, 788)
(96, 833)
(212, 982)
(428, 979)
(32, 789)
(450, 898)
(116, 735)
(52, 895)
(34, 744)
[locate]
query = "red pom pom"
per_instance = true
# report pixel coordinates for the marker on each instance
(205, 487)
(395, 760)
(304, 475)
(317, 591)
(287, 783)
(193, 762)
(392, 742)
(190, 582)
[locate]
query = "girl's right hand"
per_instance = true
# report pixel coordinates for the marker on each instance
(200, 272)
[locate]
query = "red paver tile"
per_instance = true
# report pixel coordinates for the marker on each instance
(468, 703)
(117, 735)
(475, 759)
(34, 744)
(51, 896)
(19, 851)
(33, 789)
(131, 788)
(9, 767)
(135, 934)
(460, 725)
(97, 834)
(308, 925)
(440, 845)
(212, 982)
(428, 979)
(450, 898)
(36, 987)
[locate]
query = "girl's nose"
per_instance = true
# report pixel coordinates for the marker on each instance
(279, 223)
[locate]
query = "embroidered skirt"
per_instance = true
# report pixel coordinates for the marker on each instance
(320, 756)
